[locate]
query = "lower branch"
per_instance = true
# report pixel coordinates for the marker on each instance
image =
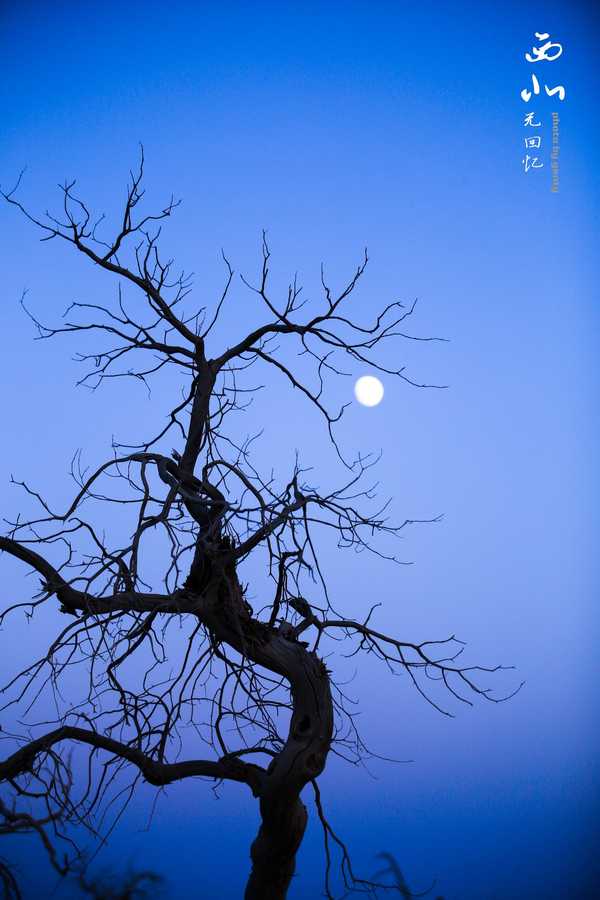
(154, 772)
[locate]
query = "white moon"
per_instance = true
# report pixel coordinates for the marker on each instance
(368, 390)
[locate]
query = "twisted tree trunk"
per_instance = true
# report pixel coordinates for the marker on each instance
(274, 849)
(304, 754)
(303, 757)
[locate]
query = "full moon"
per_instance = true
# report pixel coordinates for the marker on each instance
(368, 390)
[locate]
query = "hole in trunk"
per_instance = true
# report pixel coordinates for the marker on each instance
(303, 725)
(314, 763)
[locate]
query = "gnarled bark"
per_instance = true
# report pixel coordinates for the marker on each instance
(303, 757)
(274, 849)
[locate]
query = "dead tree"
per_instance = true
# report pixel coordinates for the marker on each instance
(250, 685)
(20, 821)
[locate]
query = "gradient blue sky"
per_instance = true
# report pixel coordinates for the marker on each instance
(335, 126)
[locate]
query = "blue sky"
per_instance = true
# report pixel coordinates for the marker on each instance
(335, 126)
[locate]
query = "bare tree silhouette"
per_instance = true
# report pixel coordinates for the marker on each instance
(18, 821)
(393, 870)
(132, 886)
(250, 684)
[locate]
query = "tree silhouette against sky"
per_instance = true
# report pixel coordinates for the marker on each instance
(249, 685)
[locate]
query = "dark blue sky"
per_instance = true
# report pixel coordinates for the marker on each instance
(334, 126)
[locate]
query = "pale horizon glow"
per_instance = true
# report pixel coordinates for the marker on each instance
(368, 390)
